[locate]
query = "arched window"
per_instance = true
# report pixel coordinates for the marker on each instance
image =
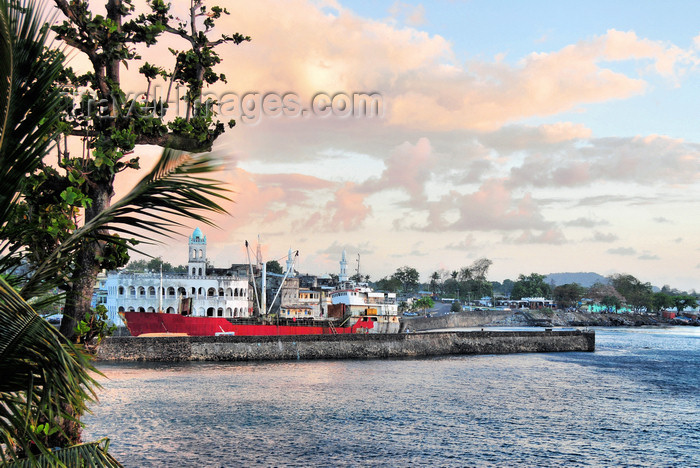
(171, 292)
(194, 271)
(201, 291)
(229, 292)
(201, 253)
(131, 309)
(151, 292)
(182, 292)
(132, 291)
(121, 309)
(141, 309)
(229, 312)
(170, 310)
(200, 272)
(142, 291)
(121, 290)
(235, 292)
(211, 292)
(221, 292)
(151, 309)
(220, 312)
(210, 312)
(194, 254)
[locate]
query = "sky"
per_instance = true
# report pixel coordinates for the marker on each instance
(545, 136)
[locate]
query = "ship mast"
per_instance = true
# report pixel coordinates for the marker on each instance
(252, 277)
(296, 254)
(161, 292)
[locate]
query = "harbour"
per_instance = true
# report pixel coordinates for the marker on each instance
(631, 403)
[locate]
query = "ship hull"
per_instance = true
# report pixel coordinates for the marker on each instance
(140, 323)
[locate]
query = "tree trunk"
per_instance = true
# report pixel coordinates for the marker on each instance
(79, 296)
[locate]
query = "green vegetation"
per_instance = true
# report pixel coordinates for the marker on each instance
(532, 285)
(154, 265)
(568, 295)
(424, 303)
(46, 377)
(405, 279)
(469, 282)
(273, 266)
(55, 200)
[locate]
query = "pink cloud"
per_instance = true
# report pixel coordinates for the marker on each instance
(647, 160)
(348, 209)
(492, 207)
(550, 236)
(408, 167)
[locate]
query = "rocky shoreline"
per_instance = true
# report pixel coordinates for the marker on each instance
(533, 318)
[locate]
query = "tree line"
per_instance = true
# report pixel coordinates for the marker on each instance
(470, 283)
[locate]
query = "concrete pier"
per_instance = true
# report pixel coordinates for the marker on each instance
(272, 348)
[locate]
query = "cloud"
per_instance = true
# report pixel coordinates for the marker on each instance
(548, 137)
(586, 222)
(348, 210)
(647, 256)
(662, 220)
(625, 45)
(492, 94)
(336, 250)
(413, 15)
(408, 167)
(467, 243)
(601, 237)
(329, 48)
(492, 207)
(622, 251)
(550, 236)
(650, 160)
(600, 200)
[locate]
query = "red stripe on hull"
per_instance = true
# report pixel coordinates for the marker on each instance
(139, 323)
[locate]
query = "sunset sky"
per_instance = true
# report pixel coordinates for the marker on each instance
(546, 136)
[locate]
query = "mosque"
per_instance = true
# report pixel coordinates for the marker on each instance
(214, 293)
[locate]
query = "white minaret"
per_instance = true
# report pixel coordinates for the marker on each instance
(343, 269)
(290, 262)
(197, 258)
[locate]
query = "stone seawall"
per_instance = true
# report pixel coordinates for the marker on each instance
(529, 318)
(269, 348)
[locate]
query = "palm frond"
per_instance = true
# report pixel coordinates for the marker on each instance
(93, 454)
(30, 110)
(171, 191)
(6, 67)
(43, 374)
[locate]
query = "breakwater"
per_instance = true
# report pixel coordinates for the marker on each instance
(269, 348)
(530, 318)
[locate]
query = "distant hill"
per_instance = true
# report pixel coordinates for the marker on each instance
(584, 279)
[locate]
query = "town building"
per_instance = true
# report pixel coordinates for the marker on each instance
(203, 291)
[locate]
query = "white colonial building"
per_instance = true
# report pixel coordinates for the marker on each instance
(221, 294)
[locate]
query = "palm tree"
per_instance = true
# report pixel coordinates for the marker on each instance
(46, 380)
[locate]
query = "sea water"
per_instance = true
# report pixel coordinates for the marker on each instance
(635, 401)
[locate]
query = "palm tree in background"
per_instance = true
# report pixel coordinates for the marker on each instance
(47, 381)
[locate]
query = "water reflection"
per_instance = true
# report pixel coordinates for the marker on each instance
(620, 405)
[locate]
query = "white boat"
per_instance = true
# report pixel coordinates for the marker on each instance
(354, 302)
